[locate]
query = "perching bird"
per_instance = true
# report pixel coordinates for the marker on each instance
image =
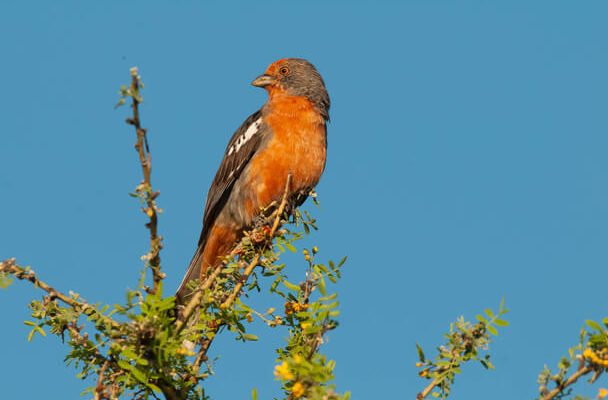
(287, 136)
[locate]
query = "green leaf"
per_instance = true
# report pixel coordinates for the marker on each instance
(88, 390)
(420, 352)
(481, 319)
(501, 322)
(321, 286)
(254, 394)
(120, 103)
(139, 375)
(492, 330)
(594, 325)
(489, 313)
(128, 353)
(40, 330)
(250, 337)
(5, 281)
(124, 365)
(291, 286)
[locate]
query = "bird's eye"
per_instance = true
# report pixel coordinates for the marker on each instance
(284, 71)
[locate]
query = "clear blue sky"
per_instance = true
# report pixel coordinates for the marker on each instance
(467, 162)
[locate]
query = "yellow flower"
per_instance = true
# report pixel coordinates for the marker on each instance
(603, 393)
(305, 325)
(183, 351)
(595, 358)
(294, 307)
(298, 390)
(297, 358)
(282, 372)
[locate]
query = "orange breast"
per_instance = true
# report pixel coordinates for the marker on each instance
(297, 147)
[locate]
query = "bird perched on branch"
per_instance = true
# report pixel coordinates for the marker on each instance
(286, 137)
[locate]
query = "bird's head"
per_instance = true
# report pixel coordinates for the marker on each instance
(295, 77)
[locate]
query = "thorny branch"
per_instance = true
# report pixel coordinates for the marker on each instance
(144, 190)
(9, 267)
(576, 375)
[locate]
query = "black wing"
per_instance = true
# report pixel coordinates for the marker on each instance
(241, 148)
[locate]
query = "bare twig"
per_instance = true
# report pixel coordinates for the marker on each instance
(145, 159)
(427, 390)
(100, 392)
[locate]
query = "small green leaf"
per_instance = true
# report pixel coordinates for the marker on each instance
(128, 353)
(492, 330)
(594, 325)
(124, 365)
(291, 286)
(420, 353)
(321, 286)
(254, 394)
(501, 322)
(5, 281)
(139, 375)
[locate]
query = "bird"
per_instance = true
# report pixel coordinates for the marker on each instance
(286, 137)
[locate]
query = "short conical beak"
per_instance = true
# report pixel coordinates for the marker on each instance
(263, 80)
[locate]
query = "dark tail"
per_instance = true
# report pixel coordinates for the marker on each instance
(193, 273)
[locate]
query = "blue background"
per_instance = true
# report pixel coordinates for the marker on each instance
(467, 162)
